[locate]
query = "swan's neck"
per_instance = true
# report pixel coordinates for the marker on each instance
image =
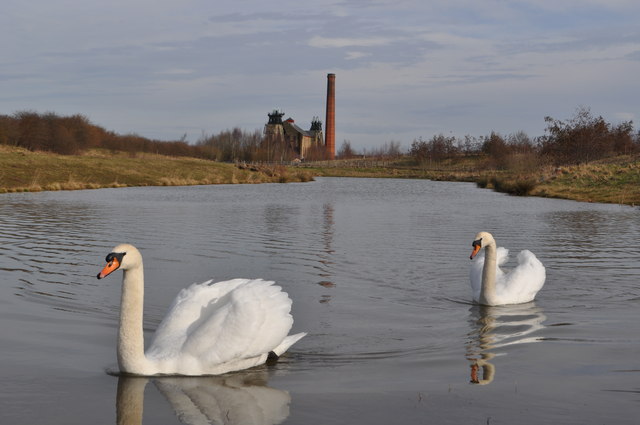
(488, 290)
(131, 357)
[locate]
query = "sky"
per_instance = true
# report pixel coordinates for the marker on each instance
(405, 69)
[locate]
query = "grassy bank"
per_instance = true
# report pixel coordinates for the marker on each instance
(615, 180)
(25, 171)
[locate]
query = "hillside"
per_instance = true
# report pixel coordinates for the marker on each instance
(614, 180)
(25, 171)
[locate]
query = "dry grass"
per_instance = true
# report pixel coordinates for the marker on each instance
(611, 181)
(25, 171)
(614, 180)
(517, 185)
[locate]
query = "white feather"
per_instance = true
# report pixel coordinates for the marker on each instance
(210, 329)
(520, 285)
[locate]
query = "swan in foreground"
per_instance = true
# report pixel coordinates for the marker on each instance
(491, 286)
(210, 329)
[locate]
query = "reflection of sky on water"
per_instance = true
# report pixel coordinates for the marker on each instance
(372, 267)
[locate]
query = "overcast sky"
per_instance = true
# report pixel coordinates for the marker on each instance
(404, 69)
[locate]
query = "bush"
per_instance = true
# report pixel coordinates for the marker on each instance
(482, 182)
(514, 186)
(585, 138)
(438, 148)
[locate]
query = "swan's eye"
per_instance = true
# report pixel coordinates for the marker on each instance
(477, 243)
(115, 256)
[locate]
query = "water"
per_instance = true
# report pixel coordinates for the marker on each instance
(378, 272)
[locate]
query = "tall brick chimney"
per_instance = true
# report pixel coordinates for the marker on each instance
(330, 123)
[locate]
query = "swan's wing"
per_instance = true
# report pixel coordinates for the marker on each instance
(502, 255)
(522, 283)
(243, 319)
(253, 320)
(185, 312)
(288, 342)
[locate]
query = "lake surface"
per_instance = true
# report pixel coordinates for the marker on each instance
(378, 273)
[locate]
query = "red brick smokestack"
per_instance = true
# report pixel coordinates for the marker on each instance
(330, 123)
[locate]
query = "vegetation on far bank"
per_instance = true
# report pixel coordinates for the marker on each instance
(583, 158)
(75, 135)
(25, 171)
(612, 180)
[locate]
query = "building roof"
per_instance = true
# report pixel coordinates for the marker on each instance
(297, 129)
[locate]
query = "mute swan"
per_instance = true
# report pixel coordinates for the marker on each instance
(210, 329)
(491, 286)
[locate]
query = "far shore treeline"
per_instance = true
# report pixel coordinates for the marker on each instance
(73, 135)
(583, 158)
(581, 139)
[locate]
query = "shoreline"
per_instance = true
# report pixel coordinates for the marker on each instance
(25, 171)
(611, 181)
(615, 181)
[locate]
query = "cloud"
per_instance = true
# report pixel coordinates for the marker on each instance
(625, 116)
(418, 67)
(337, 42)
(356, 55)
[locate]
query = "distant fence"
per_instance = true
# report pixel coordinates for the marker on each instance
(385, 163)
(345, 163)
(354, 163)
(350, 163)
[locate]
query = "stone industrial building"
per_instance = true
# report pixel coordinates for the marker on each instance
(299, 141)
(302, 141)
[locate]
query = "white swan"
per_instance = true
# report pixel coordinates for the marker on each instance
(491, 286)
(209, 329)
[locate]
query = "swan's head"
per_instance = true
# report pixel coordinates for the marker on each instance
(481, 240)
(123, 257)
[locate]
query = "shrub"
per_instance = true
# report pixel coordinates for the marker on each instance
(514, 186)
(585, 138)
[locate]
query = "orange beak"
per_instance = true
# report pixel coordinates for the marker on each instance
(111, 267)
(476, 249)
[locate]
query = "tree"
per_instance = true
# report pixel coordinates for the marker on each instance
(345, 151)
(438, 148)
(585, 138)
(32, 131)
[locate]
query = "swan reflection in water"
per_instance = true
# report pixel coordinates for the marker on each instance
(234, 399)
(497, 327)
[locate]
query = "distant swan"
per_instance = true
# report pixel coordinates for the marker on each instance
(491, 286)
(210, 329)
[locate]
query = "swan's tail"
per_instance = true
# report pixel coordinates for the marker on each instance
(287, 342)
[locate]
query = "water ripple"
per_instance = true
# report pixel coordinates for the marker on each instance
(352, 253)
